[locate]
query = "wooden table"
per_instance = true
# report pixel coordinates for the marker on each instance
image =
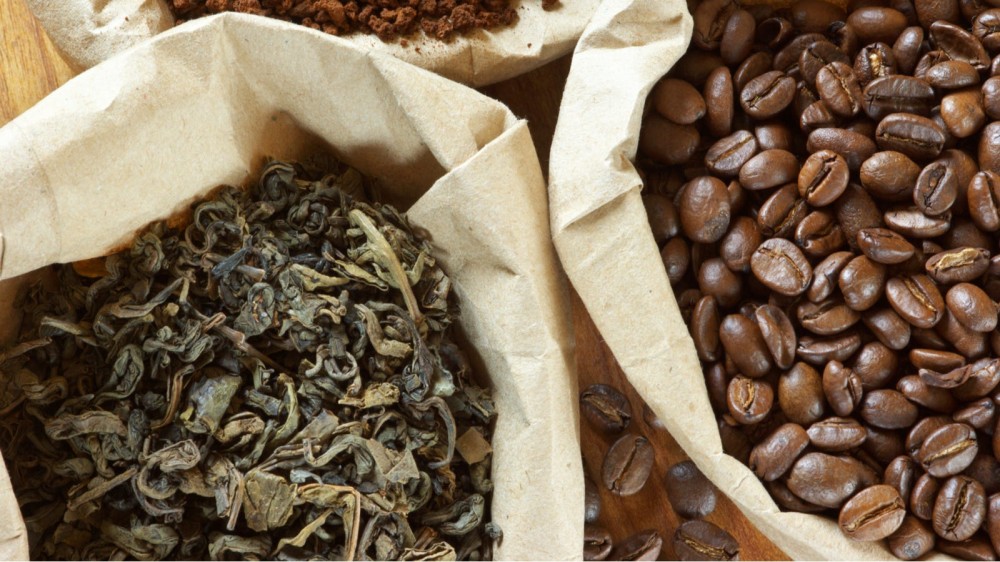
(30, 68)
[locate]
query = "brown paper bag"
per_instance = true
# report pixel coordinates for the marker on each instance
(90, 31)
(139, 137)
(607, 249)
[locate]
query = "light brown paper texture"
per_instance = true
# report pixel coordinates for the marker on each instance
(607, 249)
(142, 135)
(90, 31)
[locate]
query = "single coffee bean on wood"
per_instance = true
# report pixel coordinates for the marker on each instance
(691, 494)
(627, 464)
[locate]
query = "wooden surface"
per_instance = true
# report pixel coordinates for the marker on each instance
(30, 68)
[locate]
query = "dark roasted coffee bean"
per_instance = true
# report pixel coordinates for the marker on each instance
(862, 283)
(738, 37)
(901, 474)
(815, 16)
(663, 218)
(597, 542)
(922, 394)
(705, 328)
(884, 246)
(606, 408)
(800, 394)
(745, 346)
(739, 244)
(816, 56)
(704, 209)
(854, 147)
(819, 235)
(927, 61)
(912, 540)
(774, 455)
(989, 147)
(960, 508)
(826, 275)
(789, 501)
(945, 379)
(856, 210)
(936, 189)
(826, 318)
(696, 65)
(986, 28)
(891, 330)
(952, 75)
(592, 501)
(906, 49)
(877, 24)
(768, 169)
(774, 32)
(958, 265)
(839, 89)
(929, 11)
(888, 409)
(827, 480)
(924, 494)
(921, 430)
(842, 387)
(835, 435)
(678, 101)
(916, 298)
(873, 514)
(876, 365)
(897, 94)
(844, 37)
(666, 142)
(755, 65)
(959, 44)
(718, 281)
(972, 307)
(948, 451)
(781, 213)
(917, 137)
(627, 465)
(717, 382)
(788, 56)
(874, 61)
(817, 116)
(986, 469)
(980, 414)
(882, 445)
(983, 379)
(823, 178)
(691, 494)
(911, 222)
(984, 200)
(644, 545)
(819, 351)
(729, 154)
(991, 97)
(767, 95)
(993, 519)
(778, 334)
(773, 134)
(719, 102)
(676, 258)
(889, 175)
(701, 540)
(780, 265)
(749, 400)
(976, 548)
(710, 19)
(966, 341)
(963, 112)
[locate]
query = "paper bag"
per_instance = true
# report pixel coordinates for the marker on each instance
(141, 136)
(90, 31)
(607, 249)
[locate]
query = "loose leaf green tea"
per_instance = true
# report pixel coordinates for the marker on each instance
(276, 380)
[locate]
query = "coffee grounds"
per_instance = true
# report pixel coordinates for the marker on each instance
(388, 19)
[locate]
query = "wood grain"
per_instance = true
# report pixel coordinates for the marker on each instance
(30, 68)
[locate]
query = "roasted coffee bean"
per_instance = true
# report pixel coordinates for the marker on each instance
(720, 102)
(717, 382)
(873, 514)
(705, 322)
(948, 451)
(980, 414)
(924, 494)
(984, 200)
(749, 400)
(676, 258)
(935, 359)
(983, 379)
(815, 16)
(862, 282)
(901, 474)
(701, 540)
(835, 435)
(738, 245)
(818, 351)
(888, 409)
(695, 66)
(710, 19)
(897, 94)
(606, 408)
(754, 65)
(960, 508)
(912, 540)
(773, 134)
(817, 116)
(959, 44)
(691, 494)
(966, 341)
(993, 519)
(986, 470)
(854, 147)
(929, 11)
(989, 147)
(839, 89)
(805, 95)
(816, 56)
(666, 142)
(986, 28)
(823, 178)
(906, 49)
(627, 464)
(911, 222)
(780, 265)
(927, 61)
(737, 39)
(963, 112)
(730, 153)
(952, 75)
(781, 213)
(800, 394)
(704, 209)
(991, 97)
(891, 330)
(678, 101)
(917, 137)
(819, 235)
(856, 210)
(768, 169)
(592, 501)
(826, 318)
(778, 334)
(876, 365)
(773, 456)
(976, 548)
(827, 480)
(767, 95)
(874, 61)
(844, 37)
(916, 298)
(921, 430)
(718, 281)
(597, 542)
(745, 346)
(936, 189)
(877, 24)
(958, 265)
(789, 501)
(644, 545)
(789, 55)
(972, 307)
(842, 387)
(884, 246)
(881, 446)
(945, 379)
(922, 394)
(663, 218)
(826, 275)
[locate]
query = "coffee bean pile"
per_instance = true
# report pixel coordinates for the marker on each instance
(625, 471)
(824, 185)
